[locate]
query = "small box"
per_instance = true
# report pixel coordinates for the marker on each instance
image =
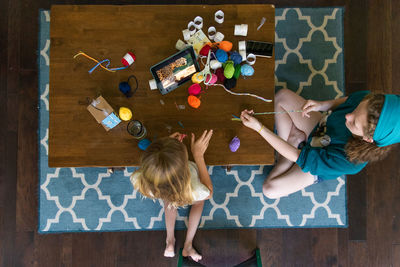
(103, 113)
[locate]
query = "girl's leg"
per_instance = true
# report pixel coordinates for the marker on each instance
(292, 127)
(289, 182)
(170, 218)
(194, 219)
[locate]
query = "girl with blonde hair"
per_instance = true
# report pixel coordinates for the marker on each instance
(166, 173)
(329, 139)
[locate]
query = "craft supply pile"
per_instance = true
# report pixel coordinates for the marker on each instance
(202, 60)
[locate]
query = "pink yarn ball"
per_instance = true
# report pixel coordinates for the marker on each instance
(194, 89)
(211, 80)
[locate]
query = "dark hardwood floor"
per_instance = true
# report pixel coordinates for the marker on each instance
(372, 56)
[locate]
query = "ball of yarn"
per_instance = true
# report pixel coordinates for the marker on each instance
(197, 77)
(194, 89)
(221, 55)
(230, 83)
(247, 70)
(236, 58)
(144, 144)
(211, 79)
(234, 144)
(125, 88)
(204, 50)
(193, 101)
(125, 114)
(220, 75)
(236, 74)
(215, 64)
(226, 46)
(229, 69)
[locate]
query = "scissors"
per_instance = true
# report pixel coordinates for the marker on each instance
(202, 75)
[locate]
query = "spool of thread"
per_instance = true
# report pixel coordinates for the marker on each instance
(241, 30)
(234, 144)
(128, 59)
(194, 89)
(194, 101)
(219, 36)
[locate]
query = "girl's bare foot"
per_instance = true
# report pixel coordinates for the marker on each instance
(296, 136)
(189, 251)
(170, 248)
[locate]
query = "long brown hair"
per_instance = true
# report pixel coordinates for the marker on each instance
(164, 172)
(358, 150)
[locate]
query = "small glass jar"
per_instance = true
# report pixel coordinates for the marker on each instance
(136, 129)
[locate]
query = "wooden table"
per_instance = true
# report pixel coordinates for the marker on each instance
(76, 139)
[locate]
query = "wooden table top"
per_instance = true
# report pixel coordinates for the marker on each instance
(150, 32)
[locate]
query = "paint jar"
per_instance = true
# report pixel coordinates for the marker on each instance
(137, 129)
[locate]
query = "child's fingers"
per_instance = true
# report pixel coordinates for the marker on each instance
(203, 135)
(208, 136)
(192, 140)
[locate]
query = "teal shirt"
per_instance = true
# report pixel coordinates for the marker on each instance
(330, 162)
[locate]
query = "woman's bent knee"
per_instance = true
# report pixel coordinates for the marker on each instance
(282, 94)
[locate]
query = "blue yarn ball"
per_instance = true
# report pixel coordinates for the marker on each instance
(236, 58)
(125, 88)
(144, 144)
(221, 55)
(247, 70)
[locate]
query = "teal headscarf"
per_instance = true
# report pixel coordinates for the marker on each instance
(387, 131)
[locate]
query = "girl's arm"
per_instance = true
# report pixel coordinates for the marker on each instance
(284, 148)
(313, 105)
(199, 147)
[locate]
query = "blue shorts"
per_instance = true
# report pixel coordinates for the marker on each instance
(317, 179)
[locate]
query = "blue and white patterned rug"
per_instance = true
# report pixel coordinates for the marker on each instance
(309, 61)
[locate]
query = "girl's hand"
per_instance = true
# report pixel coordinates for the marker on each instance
(200, 145)
(249, 121)
(311, 105)
(178, 136)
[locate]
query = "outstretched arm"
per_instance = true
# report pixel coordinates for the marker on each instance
(198, 148)
(284, 148)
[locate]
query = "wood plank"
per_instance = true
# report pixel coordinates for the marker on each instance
(396, 255)
(358, 254)
(342, 247)
(270, 243)
(325, 247)
(27, 166)
(74, 28)
(298, 247)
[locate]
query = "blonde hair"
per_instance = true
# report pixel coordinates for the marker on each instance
(164, 172)
(358, 150)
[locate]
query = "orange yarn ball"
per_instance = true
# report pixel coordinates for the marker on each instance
(226, 46)
(193, 101)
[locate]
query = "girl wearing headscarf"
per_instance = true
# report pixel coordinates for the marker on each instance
(328, 139)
